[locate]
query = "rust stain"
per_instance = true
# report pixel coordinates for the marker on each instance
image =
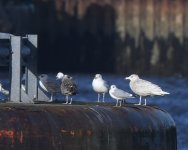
(12, 135)
(8, 134)
(78, 133)
(89, 132)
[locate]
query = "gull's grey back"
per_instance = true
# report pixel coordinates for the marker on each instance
(121, 94)
(51, 84)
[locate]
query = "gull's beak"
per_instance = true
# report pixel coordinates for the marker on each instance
(57, 78)
(127, 78)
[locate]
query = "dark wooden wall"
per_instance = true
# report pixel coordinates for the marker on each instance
(120, 36)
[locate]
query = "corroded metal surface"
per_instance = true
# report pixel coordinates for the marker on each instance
(86, 127)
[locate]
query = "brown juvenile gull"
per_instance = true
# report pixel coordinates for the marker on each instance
(49, 85)
(68, 88)
(100, 86)
(119, 94)
(144, 88)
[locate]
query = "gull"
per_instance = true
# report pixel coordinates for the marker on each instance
(68, 87)
(2, 90)
(23, 82)
(119, 94)
(100, 86)
(144, 88)
(49, 85)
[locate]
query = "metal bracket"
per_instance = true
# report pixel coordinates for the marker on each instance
(21, 48)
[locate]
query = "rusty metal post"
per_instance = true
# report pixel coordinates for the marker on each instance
(61, 127)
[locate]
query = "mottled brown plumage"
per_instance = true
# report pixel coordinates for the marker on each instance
(68, 87)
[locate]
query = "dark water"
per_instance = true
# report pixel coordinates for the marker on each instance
(176, 103)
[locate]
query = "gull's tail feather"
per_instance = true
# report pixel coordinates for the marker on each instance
(163, 93)
(160, 93)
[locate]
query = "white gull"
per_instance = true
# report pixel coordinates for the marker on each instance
(144, 88)
(100, 86)
(119, 94)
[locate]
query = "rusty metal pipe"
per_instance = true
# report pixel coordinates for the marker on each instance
(85, 127)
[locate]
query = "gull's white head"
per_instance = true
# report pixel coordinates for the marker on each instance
(132, 77)
(98, 76)
(113, 87)
(60, 75)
